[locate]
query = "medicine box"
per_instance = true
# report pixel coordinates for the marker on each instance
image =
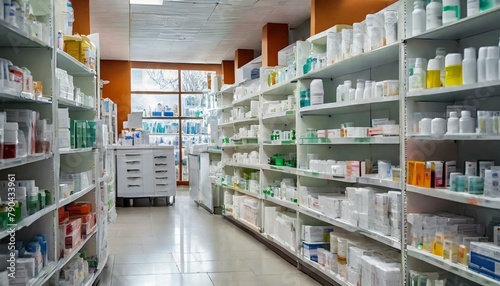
(316, 233)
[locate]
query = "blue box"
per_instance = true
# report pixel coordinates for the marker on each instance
(156, 113)
(484, 265)
(168, 113)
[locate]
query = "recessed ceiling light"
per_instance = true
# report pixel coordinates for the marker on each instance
(146, 2)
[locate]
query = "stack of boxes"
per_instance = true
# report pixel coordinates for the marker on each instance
(281, 225)
(30, 259)
(71, 183)
(76, 221)
(65, 84)
(315, 240)
(81, 48)
(75, 272)
(75, 134)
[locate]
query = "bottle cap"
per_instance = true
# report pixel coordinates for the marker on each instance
(433, 65)
(483, 52)
(465, 113)
(453, 59)
(493, 52)
(441, 52)
(453, 114)
(419, 63)
(470, 53)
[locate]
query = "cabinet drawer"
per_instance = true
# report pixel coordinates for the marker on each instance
(131, 181)
(130, 153)
(164, 181)
(130, 191)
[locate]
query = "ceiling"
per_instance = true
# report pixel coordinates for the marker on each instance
(182, 31)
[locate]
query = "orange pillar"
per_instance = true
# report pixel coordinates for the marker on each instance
(119, 87)
(228, 72)
(242, 57)
(274, 39)
(82, 17)
(327, 13)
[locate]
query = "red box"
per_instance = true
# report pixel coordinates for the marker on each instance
(73, 239)
(79, 208)
(70, 226)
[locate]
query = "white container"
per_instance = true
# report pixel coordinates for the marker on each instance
(418, 18)
(352, 94)
(440, 56)
(481, 64)
(418, 79)
(379, 90)
(438, 126)
(64, 139)
(467, 123)
(472, 7)
(434, 15)
(391, 26)
(360, 89)
(425, 126)
(317, 92)
(367, 94)
(453, 126)
(451, 11)
(469, 66)
(492, 59)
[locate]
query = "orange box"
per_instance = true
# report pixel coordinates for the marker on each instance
(419, 174)
(79, 208)
(412, 179)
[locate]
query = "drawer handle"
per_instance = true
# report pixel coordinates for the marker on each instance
(133, 185)
(132, 170)
(161, 157)
(161, 164)
(132, 155)
(133, 162)
(134, 178)
(160, 178)
(161, 171)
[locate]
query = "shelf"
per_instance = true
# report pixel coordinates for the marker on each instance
(95, 275)
(454, 268)
(393, 140)
(310, 174)
(171, 118)
(72, 65)
(229, 106)
(456, 93)
(164, 134)
(280, 143)
(277, 243)
(282, 88)
(103, 179)
(464, 28)
(75, 196)
(214, 151)
(456, 137)
(30, 219)
(373, 180)
(335, 277)
(73, 151)
(365, 61)
(64, 261)
(16, 162)
(387, 240)
(283, 203)
(243, 223)
(15, 38)
(248, 193)
(354, 106)
(44, 275)
(283, 115)
(249, 145)
(464, 198)
(73, 105)
(246, 98)
(10, 95)
(281, 169)
(241, 121)
(247, 166)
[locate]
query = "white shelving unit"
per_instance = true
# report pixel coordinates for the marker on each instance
(42, 59)
(388, 62)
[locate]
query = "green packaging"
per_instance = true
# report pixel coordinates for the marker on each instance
(72, 131)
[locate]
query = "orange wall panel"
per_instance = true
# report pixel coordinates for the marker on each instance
(274, 39)
(328, 13)
(119, 87)
(228, 72)
(82, 17)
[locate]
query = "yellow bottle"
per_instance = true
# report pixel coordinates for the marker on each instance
(453, 69)
(433, 74)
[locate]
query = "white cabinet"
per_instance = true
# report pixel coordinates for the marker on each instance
(145, 172)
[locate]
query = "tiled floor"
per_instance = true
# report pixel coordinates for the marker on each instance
(185, 245)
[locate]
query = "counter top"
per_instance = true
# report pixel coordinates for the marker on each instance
(163, 147)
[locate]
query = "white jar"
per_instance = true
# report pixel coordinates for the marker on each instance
(317, 92)
(434, 15)
(467, 123)
(451, 11)
(469, 66)
(418, 18)
(367, 94)
(425, 126)
(453, 123)
(438, 126)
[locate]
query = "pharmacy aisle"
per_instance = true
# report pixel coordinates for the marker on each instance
(186, 245)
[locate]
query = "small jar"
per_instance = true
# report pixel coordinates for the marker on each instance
(368, 89)
(11, 140)
(379, 89)
(360, 89)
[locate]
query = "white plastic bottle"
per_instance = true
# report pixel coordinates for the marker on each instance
(418, 18)
(317, 92)
(453, 126)
(469, 66)
(418, 79)
(360, 89)
(70, 18)
(451, 11)
(481, 64)
(467, 123)
(472, 7)
(434, 15)
(492, 59)
(440, 56)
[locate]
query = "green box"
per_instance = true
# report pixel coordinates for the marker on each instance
(72, 132)
(91, 134)
(79, 134)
